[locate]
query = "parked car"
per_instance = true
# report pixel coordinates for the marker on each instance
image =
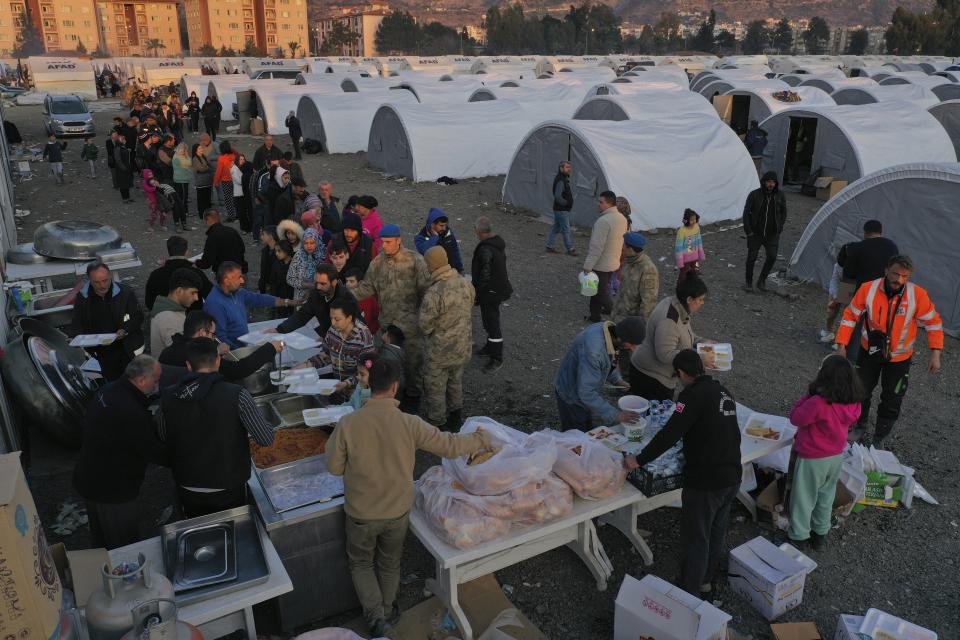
(67, 116)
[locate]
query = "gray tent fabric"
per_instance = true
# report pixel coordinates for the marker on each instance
(389, 145)
(947, 114)
(929, 234)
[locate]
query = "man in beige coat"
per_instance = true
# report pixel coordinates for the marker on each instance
(603, 254)
(374, 449)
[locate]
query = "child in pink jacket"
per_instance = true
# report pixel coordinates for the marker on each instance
(823, 418)
(150, 185)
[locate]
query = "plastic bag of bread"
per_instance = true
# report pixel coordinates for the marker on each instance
(455, 515)
(509, 463)
(592, 469)
(541, 501)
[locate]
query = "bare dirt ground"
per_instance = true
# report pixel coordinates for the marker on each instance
(903, 561)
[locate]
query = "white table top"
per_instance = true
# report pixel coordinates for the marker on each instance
(451, 556)
(63, 267)
(199, 613)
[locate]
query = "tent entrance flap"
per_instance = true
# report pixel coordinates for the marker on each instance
(740, 114)
(801, 140)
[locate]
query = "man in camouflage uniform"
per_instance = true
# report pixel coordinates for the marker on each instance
(639, 280)
(399, 278)
(447, 325)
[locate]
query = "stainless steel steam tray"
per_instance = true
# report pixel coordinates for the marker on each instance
(299, 483)
(213, 555)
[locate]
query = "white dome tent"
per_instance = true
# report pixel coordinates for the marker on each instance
(358, 84)
(801, 75)
(929, 192)
(661, 165)
(663, 73)
(436, 92)
(629, 87)
(157, 71)
(869, 94)
(642, 106)
(708, 76)
(947, 114)
(762, 104)
(943, 88)
(720, 87)
(275, 103)
(341, 123)
(830, 85)
(549, 99)
(62, 75)
(461, 140)
(848, 142)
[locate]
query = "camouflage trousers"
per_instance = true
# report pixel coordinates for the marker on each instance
(442, 392)
(412, 363)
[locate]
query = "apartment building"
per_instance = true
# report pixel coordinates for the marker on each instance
(364, 24)
(270, 24)
(132, 28)
(61, 24)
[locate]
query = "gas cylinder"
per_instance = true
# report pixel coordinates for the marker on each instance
(157, 620)
(124, 586)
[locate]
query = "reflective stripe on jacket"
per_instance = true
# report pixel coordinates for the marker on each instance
(915, 308)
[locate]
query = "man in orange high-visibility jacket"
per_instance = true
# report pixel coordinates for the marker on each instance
(892, 308)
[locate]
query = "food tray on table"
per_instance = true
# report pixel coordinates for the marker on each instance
(290, 444)
(294, 376)
(293, 340)
(608, 437)
(93, 340)
(321, 387)
(651, 485)
(767, 428)
(299, 483)
(325, 415)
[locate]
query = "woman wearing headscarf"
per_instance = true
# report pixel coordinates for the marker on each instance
(291, 232)
(303, 267)
(223, 181)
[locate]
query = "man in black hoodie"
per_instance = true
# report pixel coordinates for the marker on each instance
(211, 464)
(706, 419)
(489, 273)
(764, 215)
(159, 279)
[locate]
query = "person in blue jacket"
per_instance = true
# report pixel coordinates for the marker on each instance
(590, 361)
(437, 231)
(228, 303)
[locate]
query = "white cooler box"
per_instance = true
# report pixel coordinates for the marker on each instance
(767, 576)
(654, 608)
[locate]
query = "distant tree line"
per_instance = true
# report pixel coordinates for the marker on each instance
(935, 33)
(400, 34)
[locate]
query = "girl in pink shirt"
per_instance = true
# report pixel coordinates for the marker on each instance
(823, 418)
(366, 208)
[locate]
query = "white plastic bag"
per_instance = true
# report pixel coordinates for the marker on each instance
(331, 633)
(455, 515)
(592, 469)
(513, 465)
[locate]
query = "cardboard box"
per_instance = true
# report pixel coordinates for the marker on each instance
(827, 187)
(766, 576)
(654, 608)
(879, 625)
(768, 500)
(31, 593)
(795, 631)
(889, 487)
(80, 571)
(848, 628)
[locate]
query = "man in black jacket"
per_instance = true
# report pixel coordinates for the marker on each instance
(285, 206)
(489, 273)
(206, 423)
(359, 244)
(293, 127)
(200, 324)
(562, 195)
(159, 279)
(106, 306)
(223, 244)
(328, 288)
(706, 419)
(119, 440)
(266, 153)
(764, 215)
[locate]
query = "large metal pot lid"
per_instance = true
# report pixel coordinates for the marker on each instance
(75, 239)
(24, 254)
(71, 388)
(30, 327)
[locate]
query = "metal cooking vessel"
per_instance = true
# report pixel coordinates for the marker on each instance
(43, 374)
(75, 239)
(24, 254)
(258, 382)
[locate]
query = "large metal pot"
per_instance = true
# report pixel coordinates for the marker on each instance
(258, 382)
(43, 373)
(75, 239)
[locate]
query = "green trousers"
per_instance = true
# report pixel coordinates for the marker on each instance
(376, 543)
(811, 498)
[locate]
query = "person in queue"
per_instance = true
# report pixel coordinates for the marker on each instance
(228, 303)
(669, 331)
(223, 244)
(492, 282)
(327, 289)
(706, 419)
(892, 308)
(159, 279)
(200, 324)
(604, 252)
(359, 246)
(399, 278)
(345, 340)
(119, 434)
(170, 311)
(229, 417)
(374, 449)
(639, 280)
(104, 305)
(590, 361)
(330, 218)
(436, 232)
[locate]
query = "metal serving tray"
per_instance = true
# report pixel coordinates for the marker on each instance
(299, 483)
(250, 564)
(206, 555)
